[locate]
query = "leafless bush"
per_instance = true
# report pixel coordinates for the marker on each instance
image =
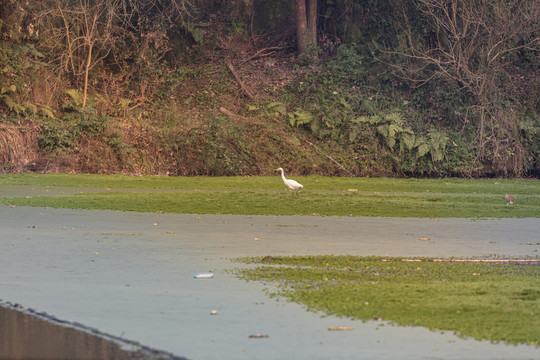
(79, 34)
(471, 44)
(18, 146)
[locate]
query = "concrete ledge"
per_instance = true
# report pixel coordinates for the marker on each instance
(28, 334)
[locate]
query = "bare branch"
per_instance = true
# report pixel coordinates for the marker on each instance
(470, 45)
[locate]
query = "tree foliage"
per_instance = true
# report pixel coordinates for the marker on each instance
(413, 87)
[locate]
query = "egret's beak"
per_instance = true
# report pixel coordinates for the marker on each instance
(276, 169)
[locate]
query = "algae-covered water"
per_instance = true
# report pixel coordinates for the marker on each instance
(130, 274)
(487, 299)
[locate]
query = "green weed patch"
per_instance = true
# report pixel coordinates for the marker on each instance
(282, 203)
(482, 300)
(314, 182)
(324, 196)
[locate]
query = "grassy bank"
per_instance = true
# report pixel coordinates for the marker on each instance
(485, 301)
(314, 182)
(325, 196)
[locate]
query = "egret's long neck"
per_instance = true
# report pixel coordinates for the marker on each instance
(283, 175)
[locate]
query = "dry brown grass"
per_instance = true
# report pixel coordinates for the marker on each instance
(18, 146)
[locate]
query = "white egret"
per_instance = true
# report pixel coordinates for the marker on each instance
(291, 184)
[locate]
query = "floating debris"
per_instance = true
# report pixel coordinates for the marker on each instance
(424, 239)
(203, 276)
(213, 312)
(258, 336)
(341, 328)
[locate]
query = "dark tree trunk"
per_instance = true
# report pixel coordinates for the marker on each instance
(306, 25)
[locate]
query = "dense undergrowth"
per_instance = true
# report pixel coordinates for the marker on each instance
(165, 102)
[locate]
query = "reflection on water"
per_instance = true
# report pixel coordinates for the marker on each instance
(27, 334)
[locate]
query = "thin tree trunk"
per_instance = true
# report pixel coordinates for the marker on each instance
(301, 26)
(312, 21)
(86, 71)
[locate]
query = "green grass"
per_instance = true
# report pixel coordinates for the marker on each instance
(485, 301)
(313, 182)
(268, 196)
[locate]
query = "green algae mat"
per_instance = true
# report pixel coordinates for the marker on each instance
(267, 195)
(490, 300)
